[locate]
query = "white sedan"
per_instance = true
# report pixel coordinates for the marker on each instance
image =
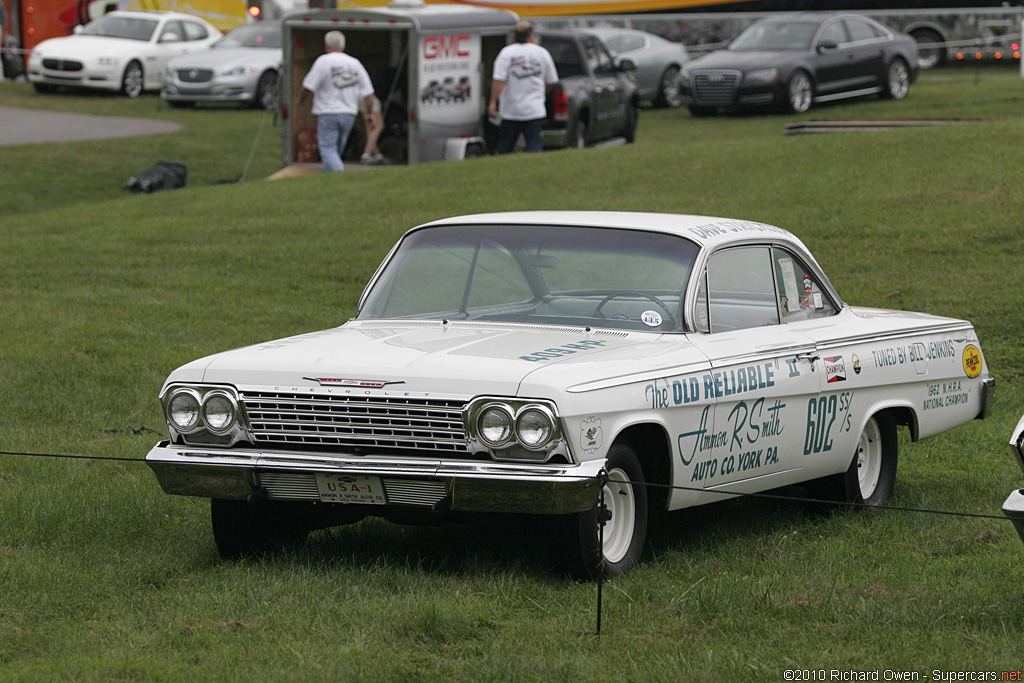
(120, 51)
(526, 362)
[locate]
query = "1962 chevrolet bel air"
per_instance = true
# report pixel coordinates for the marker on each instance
(518, 362)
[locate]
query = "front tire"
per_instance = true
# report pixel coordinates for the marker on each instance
(625, 528)
(668, 89)
(799, 93)
(629, 128)
(266, 92)
(897, 80)
(132, 80)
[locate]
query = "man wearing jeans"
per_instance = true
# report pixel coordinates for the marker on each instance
(523, 74)
(338, 84)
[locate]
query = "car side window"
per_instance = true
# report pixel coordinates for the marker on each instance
(861, 30)
(835, 33)
(801, 296)
(565, 55)
(598, 57)
(194, 31)
(740, 290)
(173, 32)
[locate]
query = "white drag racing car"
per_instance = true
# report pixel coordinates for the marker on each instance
(520, 362)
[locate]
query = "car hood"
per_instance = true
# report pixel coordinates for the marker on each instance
(84, 47)
(743, 61)
(454, 359)
(228, 57)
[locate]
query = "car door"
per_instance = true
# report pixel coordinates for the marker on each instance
(171, 41)
(832, 57)
(764, 375)
(608, 94)
(867, 63)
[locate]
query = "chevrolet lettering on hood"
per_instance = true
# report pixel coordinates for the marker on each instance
(590, 367)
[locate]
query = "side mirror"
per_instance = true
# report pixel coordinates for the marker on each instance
(826, 45)
(626, 64)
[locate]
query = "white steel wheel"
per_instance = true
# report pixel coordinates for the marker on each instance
(800, 92)
(869, 459)
(586, 553)
(620, 503)
(871, 477)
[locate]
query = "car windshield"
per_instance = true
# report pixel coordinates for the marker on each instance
(774, 35)
(253, 35)
(581, 276)
(129, 28)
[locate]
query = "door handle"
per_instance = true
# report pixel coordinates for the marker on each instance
(810, 357)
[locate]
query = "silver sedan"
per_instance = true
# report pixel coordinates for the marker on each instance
(658, 62)
(240, 67)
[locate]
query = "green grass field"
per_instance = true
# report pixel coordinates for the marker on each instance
(104, 577)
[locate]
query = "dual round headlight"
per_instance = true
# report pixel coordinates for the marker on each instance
(533, 427)
(187, 409)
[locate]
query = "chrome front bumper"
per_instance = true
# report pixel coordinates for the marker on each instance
(455, 485)
(1014, 509)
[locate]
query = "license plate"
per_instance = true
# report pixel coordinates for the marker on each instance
(350, 488)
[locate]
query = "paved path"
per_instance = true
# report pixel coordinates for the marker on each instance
(24, 126)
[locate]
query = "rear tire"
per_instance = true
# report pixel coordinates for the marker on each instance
(625, 530)
(871, 477)
(579, 135)
(897, 80)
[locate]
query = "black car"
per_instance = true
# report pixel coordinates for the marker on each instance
(795, 60)
(596, 97)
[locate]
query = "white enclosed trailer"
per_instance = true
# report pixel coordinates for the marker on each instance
(431, 66)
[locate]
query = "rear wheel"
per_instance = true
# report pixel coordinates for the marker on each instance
(132, 80)
(625, 515)
(871, 477)
(579, 135)
(897, 80)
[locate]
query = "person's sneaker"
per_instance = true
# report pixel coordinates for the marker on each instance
(368, 159)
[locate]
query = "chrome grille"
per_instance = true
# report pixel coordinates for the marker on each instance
(361, 423)
(715, 88)
(62, 64)
(195, 75)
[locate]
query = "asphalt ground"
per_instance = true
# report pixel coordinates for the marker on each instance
(28, 126)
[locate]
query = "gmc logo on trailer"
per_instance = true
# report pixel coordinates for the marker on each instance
(444, 47)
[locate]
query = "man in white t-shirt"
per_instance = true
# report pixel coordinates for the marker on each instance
(338, 84)
(523, 74)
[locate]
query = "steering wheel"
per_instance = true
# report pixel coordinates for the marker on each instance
(669, 318)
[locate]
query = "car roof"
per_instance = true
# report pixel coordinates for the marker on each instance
(708, 231)
(148, 14)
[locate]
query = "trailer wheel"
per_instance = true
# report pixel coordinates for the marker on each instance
(928, 57)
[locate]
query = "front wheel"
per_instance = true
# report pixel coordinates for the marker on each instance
(132, 80)
(629, 125)
(266, 92)
(625, 515)
(799, 93)
(668, 90)
(897, 80)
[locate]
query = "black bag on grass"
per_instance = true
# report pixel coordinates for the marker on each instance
(162, 176)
